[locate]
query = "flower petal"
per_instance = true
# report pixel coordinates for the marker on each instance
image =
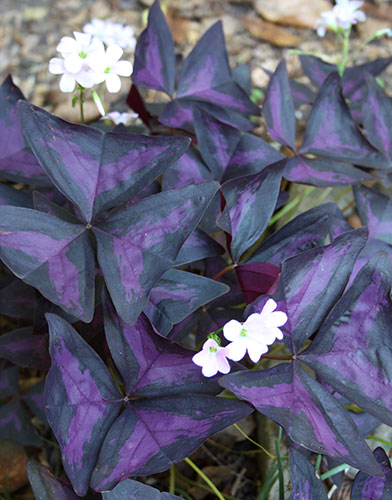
(222, 364)
(236, 350)
(67, 83)
(67, 45)
(232, 329)
(122, 68)
(113, 83)
(56, 66)
(83, 39)
(73, 63)
(114, 53)
(210, 367)
(255, 350)
(86, 79)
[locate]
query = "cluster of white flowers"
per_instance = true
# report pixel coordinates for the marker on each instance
(344, 14)
(254, 336)
(118, 118)
(85, 59)
(111, 33)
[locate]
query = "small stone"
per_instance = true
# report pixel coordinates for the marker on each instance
(13, 460)
(295, 13)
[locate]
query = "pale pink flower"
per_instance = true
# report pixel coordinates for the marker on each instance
(108, 68)
(212, 359)
(84, 76)
(344, 14)
(77, 52)
(255, 335)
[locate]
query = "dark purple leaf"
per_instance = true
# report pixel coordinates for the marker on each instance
(355, 76)
(15, 425)
(198, 246)
(16, 197)
(23, 348)
(332, 133)
(353, 348)
(375, 211)
(189, 169)
(251, 156)
(17, 162)
(313, 281)
(205, 74)
(377, 121)
(155, 64)
(304, 483)
(257, 278)
(315, 69)
(159, 425)
(179, 114)
(321, 172)
(177, 295)
(367, 487)
(45, 486)
(137, 104)
(242, 75)
(278, 108)
(81, 401)
(139, 244)
(17, 300)
(133, 490)
(306, 231)
(51, 255)
(216, 140)
(8, 381)
(44, 204)
(250, 202)
(309, 414)
(94, 170)
(301, 94)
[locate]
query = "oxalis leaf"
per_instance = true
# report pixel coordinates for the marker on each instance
(17, 162)
(168, 409)
(94, 170)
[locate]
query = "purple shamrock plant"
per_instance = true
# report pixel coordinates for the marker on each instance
(150, 287)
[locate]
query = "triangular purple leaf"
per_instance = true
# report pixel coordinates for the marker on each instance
(134, 490)
(23, 348)
(250, 202)
(177, 295)
(321, 172)
(139, 244)
(257, 278)
(15, 424)
(155, 64)
(367, 487)
(206, 74)
(51, 255)
(377, 117)
(45, 486)
(17, 162)
(375, 211)
(81, 401)
(352, 350)
(306, 231)
(251, 156)
(216, 140)
(310, 415)
(198, 246)
(17, 299)
(16, 197)
(189, 169)
(304, 483)
(313, 281)
(94, 170)
(278, 108)
(332, 133)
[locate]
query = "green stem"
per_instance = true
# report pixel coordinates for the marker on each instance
(201, 486)
(81, 102)
(280, 466)
(224, 271)
(254, 442)
(205, 478)
(172, 484)
(345, 46)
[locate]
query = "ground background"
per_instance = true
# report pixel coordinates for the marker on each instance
(259, 33)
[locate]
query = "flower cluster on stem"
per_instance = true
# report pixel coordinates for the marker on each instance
(254, 337)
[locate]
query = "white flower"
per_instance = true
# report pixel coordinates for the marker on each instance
(344, 14)
(116, 117)
(255, 335)
(84, 77)
(212, 359)
(79, 51)
(109, 68)
(111, 33)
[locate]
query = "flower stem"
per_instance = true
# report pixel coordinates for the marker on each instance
(345, 46)
(81, 102)
(277, 357)
(205, 478)
(224, 271)
(172, 485)
(254, 442)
